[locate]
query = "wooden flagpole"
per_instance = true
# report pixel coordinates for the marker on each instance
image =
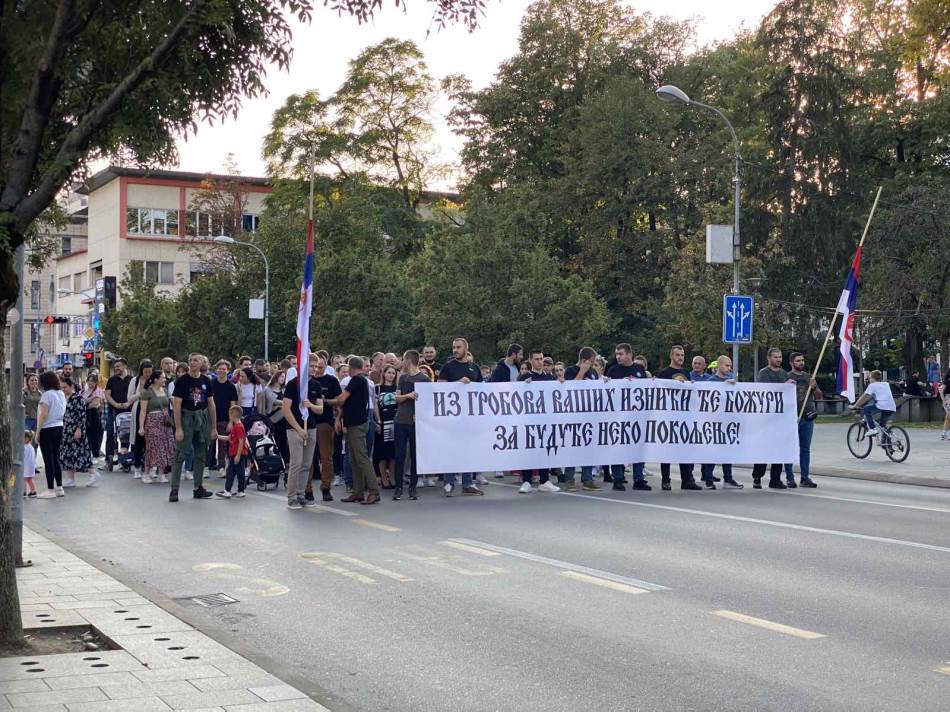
(834, 317)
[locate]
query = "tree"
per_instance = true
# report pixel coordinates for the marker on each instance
(378, 121)
(80, 80)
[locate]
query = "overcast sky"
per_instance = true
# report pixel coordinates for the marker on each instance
(323, 48)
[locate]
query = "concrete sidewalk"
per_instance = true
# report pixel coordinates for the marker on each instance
(928, 463)
(164, 664)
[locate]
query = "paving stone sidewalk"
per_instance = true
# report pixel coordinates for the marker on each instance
(164, 663)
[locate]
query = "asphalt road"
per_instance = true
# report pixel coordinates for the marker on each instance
(587, 601)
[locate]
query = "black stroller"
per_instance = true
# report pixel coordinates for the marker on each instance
(266, 462)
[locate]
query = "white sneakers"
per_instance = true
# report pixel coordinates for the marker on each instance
(447, 490)
(60, 492)
(69, 483)
(223, 494)
(338, 482)
(187, 475)
(48, 494)
(874, 431)
(146, 478)
(94, 480)
(427, 482)
(136, 473)
(481, 479)
(548, 486)
(162, 478)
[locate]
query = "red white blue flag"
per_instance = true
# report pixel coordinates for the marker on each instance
(846, 307)
(303, 322)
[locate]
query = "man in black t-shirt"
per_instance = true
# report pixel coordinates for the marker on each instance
(583, 370)
(429, 355)
(536, 373)
(460, 369)
(195, 418)
(323, 456)
(625, 367)
(676, 372)
(117, 393)
(225, 395)
(302, 434)
(354, 420)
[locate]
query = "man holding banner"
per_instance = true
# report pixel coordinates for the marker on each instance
(622, 369)
(773, 373)
(460, 369)
(676, 372)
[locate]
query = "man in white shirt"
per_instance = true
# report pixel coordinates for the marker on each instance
(877, 398)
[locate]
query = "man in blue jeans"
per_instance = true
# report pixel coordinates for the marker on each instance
(405, 423)
(806, 418)
(460, 369)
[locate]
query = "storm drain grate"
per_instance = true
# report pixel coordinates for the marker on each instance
(213, 600)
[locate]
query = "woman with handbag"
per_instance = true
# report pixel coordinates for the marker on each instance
(155, 429)
(74, 453)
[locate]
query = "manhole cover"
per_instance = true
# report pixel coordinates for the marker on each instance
(212, 600)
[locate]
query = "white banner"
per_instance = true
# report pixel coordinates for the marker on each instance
(487, 427)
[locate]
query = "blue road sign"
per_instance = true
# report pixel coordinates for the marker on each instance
(737, 319)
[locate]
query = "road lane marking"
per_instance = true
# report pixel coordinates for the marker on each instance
(320, 507)
(262, 587)
(376, 525)
(945, 669)
(355, 575)
(766, 522)
(470, 549)
(768, 625)
(564, 565)
(454, 564)
(320, 555)
(597, 581)
(919, 507)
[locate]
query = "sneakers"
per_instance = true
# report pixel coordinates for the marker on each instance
(162, 478)
(136, 473)
(481, 479)
(472, 489)
(294, 503)
(619, 486)
(48, 494)
(201, 493)
(239, 493)
(68, 484)
(756, 483)
(413, 494)
(327, 496)
(447, 490)
(944, 435)
(60, 492)
(370, 499)
(548, 487)
(873, 431)
(428, 482)
(338, 481)
(732, 484)
(308, 496)
(187, 475)
(641, 485)
(525, 488)
(173, 495)
(397, 494)
(146, 478)
(590, 486)
(352, 498)
(569, 485)
(809, 483)
(690, 485)
(94, 480)
(790, 484)
(666, 486)
(223, 494)
(710, 485)
(777, 484)
(308, 503)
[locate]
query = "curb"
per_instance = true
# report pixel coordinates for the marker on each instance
(938, 482)
(217, 634)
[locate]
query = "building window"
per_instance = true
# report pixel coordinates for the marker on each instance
(64, 331)
(203, 224)
(160, 272)
(151, 221)
(78, 327)
(250, 222)
(35, 294)
(52, 291)
(65, 283)
(34, 337)
(79, 281)
(66, 245)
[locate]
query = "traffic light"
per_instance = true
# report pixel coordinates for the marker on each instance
(56, 320)
(108, 292)
(88, 359)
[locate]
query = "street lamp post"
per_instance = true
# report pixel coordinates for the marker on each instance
(675, 95)
(227, 240)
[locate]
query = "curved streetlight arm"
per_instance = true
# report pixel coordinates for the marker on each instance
(717, 112)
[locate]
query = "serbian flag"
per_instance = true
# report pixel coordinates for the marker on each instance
(303, 322)
(846, 307)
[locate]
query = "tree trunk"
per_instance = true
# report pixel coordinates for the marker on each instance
(11, 631)
(914, 349)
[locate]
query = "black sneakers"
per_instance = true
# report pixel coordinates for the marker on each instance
(690, 485)
(201, 493)
(327, 496)
(397, 494)
(619, 486)
(641, 485)
(173, 495)
(808, 483)
(777, 484)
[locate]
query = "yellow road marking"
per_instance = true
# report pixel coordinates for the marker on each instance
(768, 625)
(606, 583)
(376, 525)
(342, 571)
(365, 565)
(470, 549)
(945, 669)
(450, 565)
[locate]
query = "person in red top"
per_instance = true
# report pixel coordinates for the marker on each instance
(238, 450)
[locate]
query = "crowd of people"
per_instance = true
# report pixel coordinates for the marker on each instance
(355, 427)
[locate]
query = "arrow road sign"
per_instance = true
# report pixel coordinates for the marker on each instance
(737, 319)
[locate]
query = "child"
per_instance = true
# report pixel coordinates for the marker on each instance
(29, 465)
(237, 452)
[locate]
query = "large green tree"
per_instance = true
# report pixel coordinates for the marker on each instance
(80, 80)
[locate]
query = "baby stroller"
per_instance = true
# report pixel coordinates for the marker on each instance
(123, 435)
(267, 464)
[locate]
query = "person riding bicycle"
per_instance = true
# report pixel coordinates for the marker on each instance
(877, 398)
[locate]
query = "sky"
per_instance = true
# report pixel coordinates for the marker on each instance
(323, 48)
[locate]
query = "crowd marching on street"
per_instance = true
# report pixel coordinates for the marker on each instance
(244, 422)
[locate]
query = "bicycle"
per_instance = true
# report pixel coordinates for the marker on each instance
(892, 438)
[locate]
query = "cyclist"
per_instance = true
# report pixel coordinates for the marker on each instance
(876, 398)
